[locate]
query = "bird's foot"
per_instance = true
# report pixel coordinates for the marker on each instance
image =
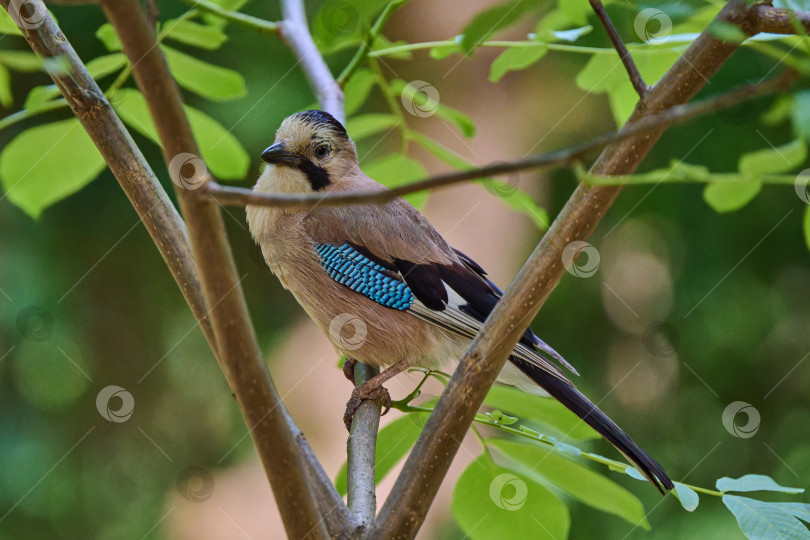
(348, 369)
(361, 394)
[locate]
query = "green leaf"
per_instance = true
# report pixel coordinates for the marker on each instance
(573, 34)
(513, 59)
(727, 32)
(545, 411)
(357, 89)
(203, 36)
(339, 23)
(490, 501)
(412, 93)
(687, 496)
(393, 442)
(764, 521)
(24, 61)
(230, 5)
(582, 483)
(806, 226)
(207, 80)
(6, 97)
(366, 125)
(46, 163)
(800, 114)
(503, 419)
(800, 510)
(492, 20)
(108, 37)
(780, 159)
(222, 153)
(441, 52)
(7, 24)
(39, 95)
(395, 170)
(577, 12)
(753, 482)
(101, 66)
(730, 196)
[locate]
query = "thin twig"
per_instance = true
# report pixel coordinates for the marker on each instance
(779, 21)
(277, 439)
(415, 488)
(627, 59)
(236, 17)
(295, 33)
(365, 47)
(676, 114)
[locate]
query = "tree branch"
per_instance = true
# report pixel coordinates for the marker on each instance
(403, 512)
(277, 439)
(247, 21)
(679, 113)
(627, 59)
(125, 160)
(295, 33)
(361, 464)
(778, 21)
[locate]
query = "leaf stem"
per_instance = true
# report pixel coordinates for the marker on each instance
(248, 21)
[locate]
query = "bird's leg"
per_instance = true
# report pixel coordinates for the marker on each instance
(373, 389)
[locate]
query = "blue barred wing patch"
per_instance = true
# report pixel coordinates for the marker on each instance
(351, 268)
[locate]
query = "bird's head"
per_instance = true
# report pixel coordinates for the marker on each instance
(312, 152)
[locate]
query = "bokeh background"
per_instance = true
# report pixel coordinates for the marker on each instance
(688, 312)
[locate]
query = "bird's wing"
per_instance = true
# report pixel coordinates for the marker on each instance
(393, 255)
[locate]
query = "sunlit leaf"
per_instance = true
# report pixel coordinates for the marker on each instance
(203, 36)
(513, 59)
(421, 101)
(366, 125)
(582, 483)
(208, 80)
(490, 501)
(687, 496)
(357, 89)
(6, 98)
(573, 34)
(765, 521)
(492, 20)
(730, 196)
(395, 170)
(24, 61)
(779, 159)
(230, 5)
(222, 152)
(108, 37)
(545, 411)
(800, 510)
(101, 66)
(46, 163)
(753, 482)
(7, 24)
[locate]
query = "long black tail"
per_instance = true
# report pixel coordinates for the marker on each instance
(565, 393)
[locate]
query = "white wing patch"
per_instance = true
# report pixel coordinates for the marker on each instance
(458, 322)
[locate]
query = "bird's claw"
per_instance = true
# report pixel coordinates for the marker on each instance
(348, 369)
(359, 395)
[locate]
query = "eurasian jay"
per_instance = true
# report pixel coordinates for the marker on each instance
(384, 268)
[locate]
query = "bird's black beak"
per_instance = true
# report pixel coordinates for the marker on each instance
(276, 155)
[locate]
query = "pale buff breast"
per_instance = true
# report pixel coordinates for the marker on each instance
(357, 326)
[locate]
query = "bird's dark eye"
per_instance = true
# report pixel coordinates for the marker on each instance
(322, 151)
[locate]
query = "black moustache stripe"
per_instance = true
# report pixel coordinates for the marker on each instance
(317, 176)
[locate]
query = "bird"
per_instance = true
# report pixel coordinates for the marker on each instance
(385, 273)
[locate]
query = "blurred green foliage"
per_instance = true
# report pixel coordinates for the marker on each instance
(87, 302)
